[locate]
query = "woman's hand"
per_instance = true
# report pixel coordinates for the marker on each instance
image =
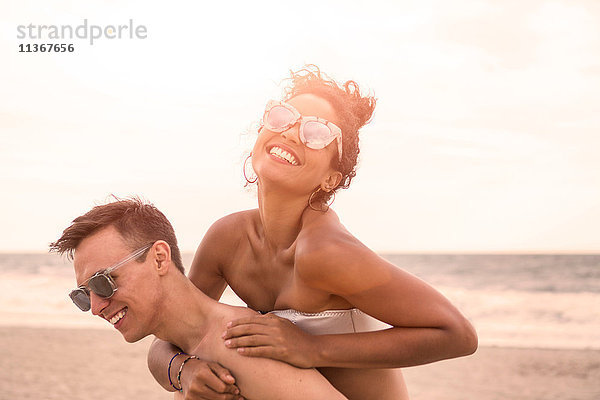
(205, 380)
(273, 337)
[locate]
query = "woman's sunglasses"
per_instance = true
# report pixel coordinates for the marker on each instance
(101, 283)
(316, 133)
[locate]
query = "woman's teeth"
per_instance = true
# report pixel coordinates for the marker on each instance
(284, 155)
(118, 316)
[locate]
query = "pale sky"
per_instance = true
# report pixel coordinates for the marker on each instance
(485, 138)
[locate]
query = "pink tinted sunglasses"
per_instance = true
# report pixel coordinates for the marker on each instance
(316, 133)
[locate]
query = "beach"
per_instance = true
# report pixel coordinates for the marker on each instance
(73, 363)
(536, 317)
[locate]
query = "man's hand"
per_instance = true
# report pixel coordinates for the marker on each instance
(271, 337)
(205, 380)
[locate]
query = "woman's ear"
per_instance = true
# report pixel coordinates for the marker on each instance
(331, 181)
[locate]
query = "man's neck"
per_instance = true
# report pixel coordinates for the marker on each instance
(185, 313)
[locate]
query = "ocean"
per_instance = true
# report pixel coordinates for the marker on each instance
(525, 301)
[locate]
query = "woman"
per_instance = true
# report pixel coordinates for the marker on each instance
(294, 258)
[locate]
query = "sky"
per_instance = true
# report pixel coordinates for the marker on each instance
(485, 137)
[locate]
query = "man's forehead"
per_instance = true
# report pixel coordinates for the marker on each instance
(97, 252)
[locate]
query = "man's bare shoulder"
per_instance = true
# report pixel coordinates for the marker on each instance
(212, 346)
(233, 312)
(265, 378)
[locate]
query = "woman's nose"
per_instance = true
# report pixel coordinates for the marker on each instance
(292, 133)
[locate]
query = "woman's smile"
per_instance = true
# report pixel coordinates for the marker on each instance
(283, 154)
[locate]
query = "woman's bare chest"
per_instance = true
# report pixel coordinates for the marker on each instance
(266, 284)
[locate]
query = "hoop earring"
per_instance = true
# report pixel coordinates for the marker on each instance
(324, 206)
(254, 178)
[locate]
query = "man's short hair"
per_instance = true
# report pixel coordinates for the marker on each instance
(138, 222)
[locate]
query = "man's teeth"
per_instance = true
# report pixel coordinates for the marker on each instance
(284, 155)
(118, 316)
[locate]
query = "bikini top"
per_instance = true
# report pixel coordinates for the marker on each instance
(332, 321)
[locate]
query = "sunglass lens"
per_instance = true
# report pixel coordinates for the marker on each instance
(100, 285)
(317, 135)
(279, 117)
(81, 299)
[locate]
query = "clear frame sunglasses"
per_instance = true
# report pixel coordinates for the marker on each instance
(102, 283)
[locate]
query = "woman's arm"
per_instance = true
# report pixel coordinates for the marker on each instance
(205, 379)
(426, 326)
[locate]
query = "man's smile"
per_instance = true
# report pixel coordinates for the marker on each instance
(117, 317)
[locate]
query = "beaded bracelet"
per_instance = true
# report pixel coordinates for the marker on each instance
(180, 389)
(181, 369)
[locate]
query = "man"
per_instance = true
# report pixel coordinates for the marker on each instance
(129, 272)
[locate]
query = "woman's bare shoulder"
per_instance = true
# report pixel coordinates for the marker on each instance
(324, 233)
(326, 251)
(220, 241)
(231, 223)
(230, 228)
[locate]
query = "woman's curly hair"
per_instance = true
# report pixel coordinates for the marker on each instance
(353, 109)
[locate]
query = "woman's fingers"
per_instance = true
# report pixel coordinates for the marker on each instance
(261, 351)
(271, 325)
(251, 340)
(280, 353)
(255, 319)
(271, 337)
(245, 330)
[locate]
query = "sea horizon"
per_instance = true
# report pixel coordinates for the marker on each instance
(513, 300)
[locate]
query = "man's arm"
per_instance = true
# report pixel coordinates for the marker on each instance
(266, 379)
(212, 381)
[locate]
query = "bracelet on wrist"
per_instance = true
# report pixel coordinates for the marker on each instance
(179, 389)
(181, 369)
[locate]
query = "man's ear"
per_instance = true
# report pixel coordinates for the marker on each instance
(331, 181)
(162, 257)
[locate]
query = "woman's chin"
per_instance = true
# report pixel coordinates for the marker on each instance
(270, 170)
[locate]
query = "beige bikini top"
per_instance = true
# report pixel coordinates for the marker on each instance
(332, 321)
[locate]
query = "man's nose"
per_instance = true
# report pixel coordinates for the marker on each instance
(97, 303)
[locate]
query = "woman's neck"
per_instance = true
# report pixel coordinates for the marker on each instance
(281, 217)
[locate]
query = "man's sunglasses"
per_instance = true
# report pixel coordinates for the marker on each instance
(316, 133)
(101, 283)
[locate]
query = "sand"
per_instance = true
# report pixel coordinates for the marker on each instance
(53, 363)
